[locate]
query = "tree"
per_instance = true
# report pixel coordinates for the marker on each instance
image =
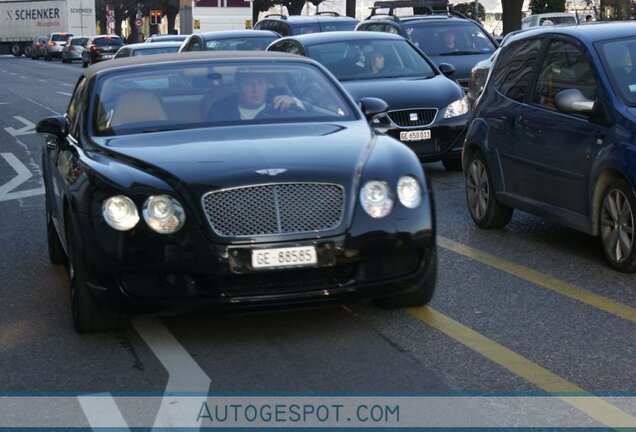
(511, 15)
(544, 6)
(468, 9)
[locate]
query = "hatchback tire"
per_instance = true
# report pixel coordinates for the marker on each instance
(616, 221)
(486, 212)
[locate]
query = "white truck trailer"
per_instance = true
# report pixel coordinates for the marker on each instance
(21, 21)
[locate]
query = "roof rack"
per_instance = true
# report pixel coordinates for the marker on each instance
(420, 7)
(276, 15)
(330, 13)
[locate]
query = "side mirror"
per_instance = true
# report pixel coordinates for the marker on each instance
(446, 68)
(56, 125)
(373, 107)
(572, 101)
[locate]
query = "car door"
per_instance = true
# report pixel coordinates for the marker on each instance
(499, 106)
(554, 150)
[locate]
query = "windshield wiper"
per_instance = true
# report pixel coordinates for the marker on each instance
(465, 52)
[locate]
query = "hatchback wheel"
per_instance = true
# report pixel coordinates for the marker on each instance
(616, 219)
(483, 206)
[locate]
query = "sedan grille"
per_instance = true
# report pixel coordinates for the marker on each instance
(413, 117)
(284, 208)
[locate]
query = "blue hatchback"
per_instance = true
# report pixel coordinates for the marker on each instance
(554, 134)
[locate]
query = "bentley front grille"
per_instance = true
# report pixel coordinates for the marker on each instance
(413, 117)
(271, 209)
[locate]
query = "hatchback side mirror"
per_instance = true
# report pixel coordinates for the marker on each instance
(572, 101)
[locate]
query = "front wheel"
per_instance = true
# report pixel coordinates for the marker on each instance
(484, 209)
(84, 64)
(88, 317)
(616, 220)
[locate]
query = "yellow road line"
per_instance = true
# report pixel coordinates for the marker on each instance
(590, 405)
(566, 289)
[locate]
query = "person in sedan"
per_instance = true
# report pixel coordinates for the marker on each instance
(449, 40)
(250, 99)
(377, 62)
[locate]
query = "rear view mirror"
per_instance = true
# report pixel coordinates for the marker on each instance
(373, 107)
(55, 125)
(446, 68)
(572, 101)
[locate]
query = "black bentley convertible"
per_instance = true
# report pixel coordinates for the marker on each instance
(230, 179)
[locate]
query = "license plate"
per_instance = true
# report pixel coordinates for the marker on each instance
(107, 56)
(416, 135)
(284, 257)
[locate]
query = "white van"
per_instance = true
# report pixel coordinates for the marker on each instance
(555, 18)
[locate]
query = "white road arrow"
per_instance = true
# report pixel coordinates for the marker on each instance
(29, 128)
(23, 175)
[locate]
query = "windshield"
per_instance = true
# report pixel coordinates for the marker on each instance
(106, 41)
(369, 59)
(240, 44)
(463, 38)
(619, 62)
(152, 51)
(186, 95)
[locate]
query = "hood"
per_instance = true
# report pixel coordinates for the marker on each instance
(436, 92)
(214, 158)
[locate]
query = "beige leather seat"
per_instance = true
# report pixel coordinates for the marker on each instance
(137, 106)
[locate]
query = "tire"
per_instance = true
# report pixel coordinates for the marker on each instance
(452, 163)
(57, 255)
(16, 49)
(88, 317)
(421, 296)
(617, 217)
(486, 212)
(27, 50)
(64, 60)
(47, 57)
(84, 64)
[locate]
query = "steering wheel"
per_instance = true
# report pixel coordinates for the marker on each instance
(270, 112)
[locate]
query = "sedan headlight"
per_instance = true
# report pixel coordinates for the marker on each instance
(457, 108)
(376, 199)
(120, 212)
(163, 214)
(409, 192)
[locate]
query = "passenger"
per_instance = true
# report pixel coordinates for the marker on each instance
(377, 62)
(250, 99)
(449, 40)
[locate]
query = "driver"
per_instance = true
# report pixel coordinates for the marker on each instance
(250, 99)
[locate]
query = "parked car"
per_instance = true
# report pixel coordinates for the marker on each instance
(300, 24)
(73, 49)
(100, 47)
(166, 38)
(156, 205)
(446, 37)
(54, 45)
(230, 40)
(142, 49)
(553, 135)
(553, 18)
(38, 46)
(427, 111)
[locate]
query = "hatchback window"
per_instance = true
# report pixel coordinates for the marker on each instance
(240, 44)
(565, 66)
(60, 37)
(514, 67)
(433, 38)
(619, 60)
(338, 25)
(79, 41)
(107, 41)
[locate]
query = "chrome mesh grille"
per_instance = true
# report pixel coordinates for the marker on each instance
(285, 208)
(403, 118)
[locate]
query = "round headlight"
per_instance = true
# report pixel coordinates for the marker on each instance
(163, 214)
(120, 212)
(376, 198)
(409, 192)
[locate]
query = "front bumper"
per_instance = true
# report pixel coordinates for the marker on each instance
(156, 276)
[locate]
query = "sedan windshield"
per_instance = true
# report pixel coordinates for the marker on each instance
(454, 39)
(184, 95)
(370, 59)
(240, 44)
